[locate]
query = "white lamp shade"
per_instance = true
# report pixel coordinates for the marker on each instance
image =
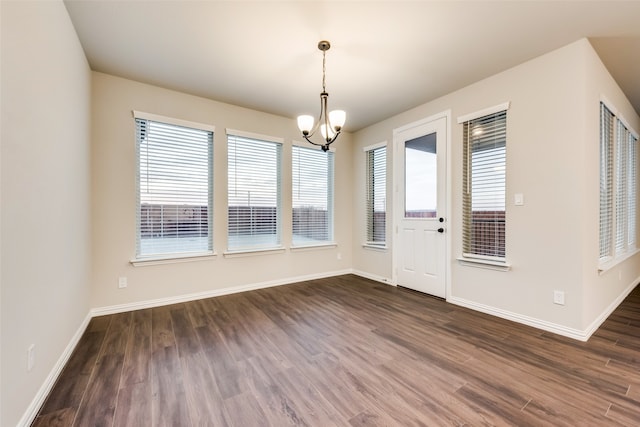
(337, 119)
(323, 131)
(305, 123)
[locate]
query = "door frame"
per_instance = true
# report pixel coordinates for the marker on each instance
(398, 202)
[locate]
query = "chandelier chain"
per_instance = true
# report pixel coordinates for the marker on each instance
(324, 70)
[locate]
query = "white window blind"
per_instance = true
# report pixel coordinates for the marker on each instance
(632, 189)
(254, 193)
(174, 189)
(484, 181)
(621, 195)
(606, 182)
(618, 186)
(376, 202)
(312, 183)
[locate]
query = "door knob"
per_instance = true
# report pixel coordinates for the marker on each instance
(440, 230)
(441, 219)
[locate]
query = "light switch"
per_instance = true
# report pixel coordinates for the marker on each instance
(518, 199)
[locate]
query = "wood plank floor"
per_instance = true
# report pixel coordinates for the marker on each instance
(344, 351)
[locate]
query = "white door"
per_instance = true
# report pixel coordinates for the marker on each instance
(420, 252)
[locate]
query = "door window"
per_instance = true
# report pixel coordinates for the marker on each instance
(421, 177)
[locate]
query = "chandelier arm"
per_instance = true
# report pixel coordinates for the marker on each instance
(310, 141)
(317, 124)
(334, 138)
(325, 147)
(327, 125)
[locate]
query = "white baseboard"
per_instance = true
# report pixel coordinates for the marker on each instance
(581, 335)
(611, 308)
(37, 402)
(121, 308)
(375, 277)
(519, 318)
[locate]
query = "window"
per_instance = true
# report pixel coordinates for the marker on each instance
(618, 178)
(606, 182)
(254, 196)
(421, 176)
(484, 182)
(174, 186)
(312, 196)
(376, 202)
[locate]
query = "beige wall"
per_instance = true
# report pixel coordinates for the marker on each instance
(113, 202)
(552, 158)
(45, 196)
(601, 290)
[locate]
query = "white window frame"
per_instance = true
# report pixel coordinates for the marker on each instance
(371, 196)
(499, 262)
(618, 189)
(177, 255)
(254, 244)
(329, 199)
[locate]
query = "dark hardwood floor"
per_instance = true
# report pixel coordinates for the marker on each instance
(344, 351)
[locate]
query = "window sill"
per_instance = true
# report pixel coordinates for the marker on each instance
(252, 252)
(382, 247)
(172, 259)
(606, 266)
(327, 245)
(484, 263)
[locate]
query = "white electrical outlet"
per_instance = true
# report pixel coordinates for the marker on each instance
(31, 357)
(122, 282)
(339, 256)
(558, 297)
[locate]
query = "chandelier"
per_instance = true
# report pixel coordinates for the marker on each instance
(330, 124)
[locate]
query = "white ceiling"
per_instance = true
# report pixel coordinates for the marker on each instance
(386, 56)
